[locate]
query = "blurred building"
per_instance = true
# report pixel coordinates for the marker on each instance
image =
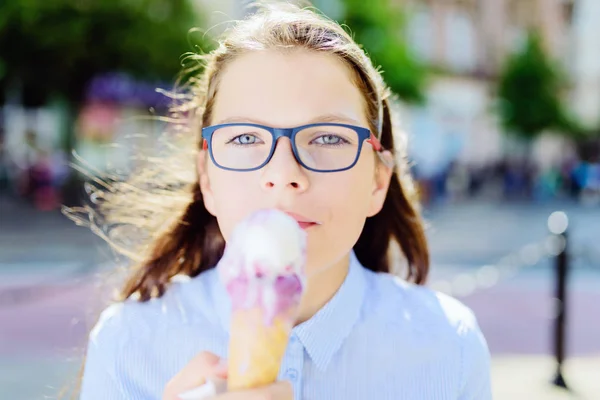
(467, 42)
(585, 65)
(474, 36)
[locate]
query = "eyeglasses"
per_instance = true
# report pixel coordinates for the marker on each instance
(327, 147)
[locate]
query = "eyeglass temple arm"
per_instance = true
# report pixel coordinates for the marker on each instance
(375, 143)
(387, 161)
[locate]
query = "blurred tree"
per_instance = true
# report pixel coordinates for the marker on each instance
(530, 90)
(56, 46)
(379, 25)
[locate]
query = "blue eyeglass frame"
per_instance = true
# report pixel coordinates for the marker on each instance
(364, 134)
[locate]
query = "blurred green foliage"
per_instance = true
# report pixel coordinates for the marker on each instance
(530, 89)
(56, 46)
(380, 26)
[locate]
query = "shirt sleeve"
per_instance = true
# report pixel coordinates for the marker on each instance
(100, 380)
(476, 382)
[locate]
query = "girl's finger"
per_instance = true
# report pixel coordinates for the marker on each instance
(204, 365)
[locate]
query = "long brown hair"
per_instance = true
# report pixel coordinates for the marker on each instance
(163, 202)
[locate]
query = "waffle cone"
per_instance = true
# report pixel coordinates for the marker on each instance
(256, 348)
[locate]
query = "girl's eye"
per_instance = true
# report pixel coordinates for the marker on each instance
(330, 140)
(245, 139)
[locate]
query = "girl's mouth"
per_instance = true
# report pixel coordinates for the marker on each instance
(304, 222)
(306, 225)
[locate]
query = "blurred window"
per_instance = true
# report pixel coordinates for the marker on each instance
(421, 33)
(460, 46)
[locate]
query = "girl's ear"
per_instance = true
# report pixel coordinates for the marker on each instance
(204, 182)
(383, 175)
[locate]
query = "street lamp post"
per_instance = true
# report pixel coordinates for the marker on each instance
(558, 223)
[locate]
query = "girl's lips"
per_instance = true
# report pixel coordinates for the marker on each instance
(306, 225)
(304, 222)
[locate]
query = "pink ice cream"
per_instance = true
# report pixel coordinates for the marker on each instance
(263, 263)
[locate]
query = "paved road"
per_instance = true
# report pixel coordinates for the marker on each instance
(516, 316)
(461, 236)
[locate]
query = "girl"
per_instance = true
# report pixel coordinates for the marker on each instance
(289, 113)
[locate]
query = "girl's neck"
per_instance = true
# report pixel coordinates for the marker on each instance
(322, 287)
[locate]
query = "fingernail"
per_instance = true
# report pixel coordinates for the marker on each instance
(222, 368)
(223, 363)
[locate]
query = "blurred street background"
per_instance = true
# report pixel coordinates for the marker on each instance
(501, 99)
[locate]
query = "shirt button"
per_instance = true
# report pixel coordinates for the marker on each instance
(292, 374)
(293, 339)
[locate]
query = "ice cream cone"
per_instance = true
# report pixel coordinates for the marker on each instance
(263, 271)
(256, 348)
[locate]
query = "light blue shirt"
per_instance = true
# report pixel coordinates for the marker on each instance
(379, 338)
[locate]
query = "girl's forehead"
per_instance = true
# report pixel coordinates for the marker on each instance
(287, 88)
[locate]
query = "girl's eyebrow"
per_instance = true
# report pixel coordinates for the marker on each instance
(332, 117)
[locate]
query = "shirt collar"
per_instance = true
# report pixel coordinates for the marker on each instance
(324, 333)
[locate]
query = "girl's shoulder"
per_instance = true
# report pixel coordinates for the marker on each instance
(161, 334)
(419, 306)
(186, 302)
(431, 327)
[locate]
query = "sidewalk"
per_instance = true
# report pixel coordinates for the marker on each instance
(528, 378)
(34, 244)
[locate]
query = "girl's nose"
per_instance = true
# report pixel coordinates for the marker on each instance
(283, 170)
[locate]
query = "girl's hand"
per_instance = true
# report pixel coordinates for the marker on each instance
(207, 366)
(196, 373)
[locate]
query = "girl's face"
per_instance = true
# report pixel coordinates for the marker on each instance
(286, 90)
